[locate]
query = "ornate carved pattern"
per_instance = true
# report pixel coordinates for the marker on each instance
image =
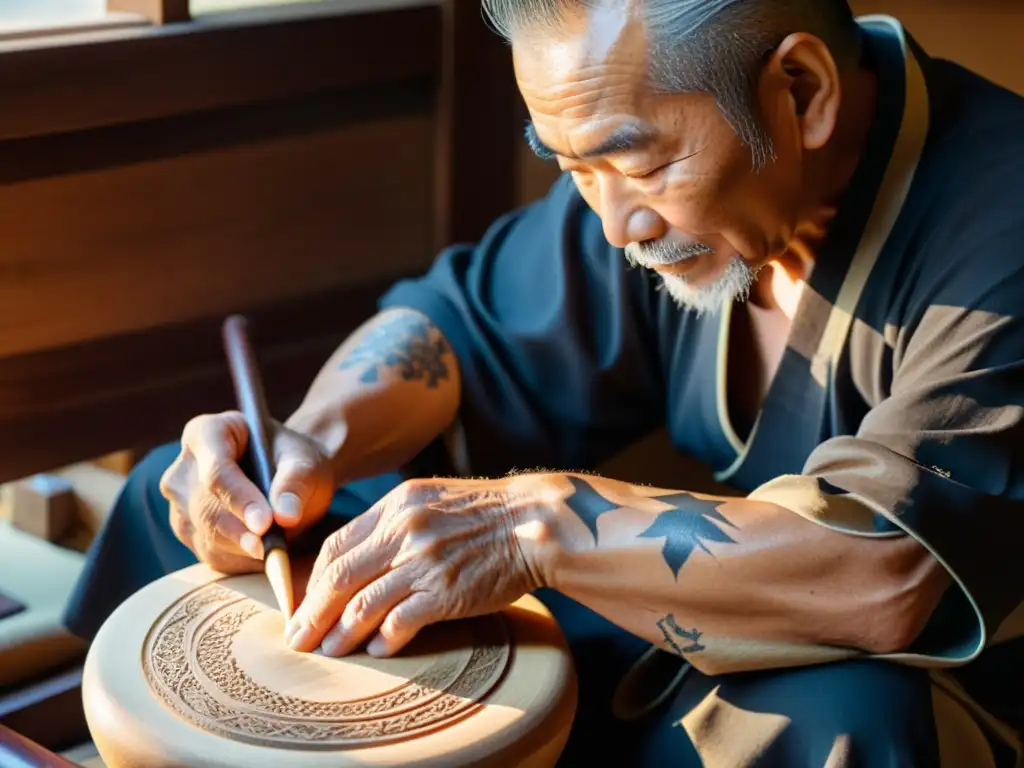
(188, 664)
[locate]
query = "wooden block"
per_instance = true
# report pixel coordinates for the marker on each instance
(44, 506)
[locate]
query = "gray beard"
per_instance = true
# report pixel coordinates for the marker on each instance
(733, 284)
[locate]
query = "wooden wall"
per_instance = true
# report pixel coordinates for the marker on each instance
(289, 163)
(983, 35)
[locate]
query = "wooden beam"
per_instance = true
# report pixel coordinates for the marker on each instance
(172, 220)
(157, 11)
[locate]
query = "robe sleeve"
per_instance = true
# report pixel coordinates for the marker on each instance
(554, 336)
(941, 456)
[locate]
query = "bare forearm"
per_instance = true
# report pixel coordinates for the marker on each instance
(390, 388)
(732, 583)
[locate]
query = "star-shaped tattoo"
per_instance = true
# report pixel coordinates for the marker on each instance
(588, 504)
(685, 526)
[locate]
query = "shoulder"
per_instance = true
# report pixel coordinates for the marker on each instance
(972, 169)
(965, 240)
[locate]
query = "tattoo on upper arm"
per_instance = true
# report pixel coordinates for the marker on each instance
(685, 525)
(676, 636)
(406, 342)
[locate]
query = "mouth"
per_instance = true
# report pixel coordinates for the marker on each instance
(665, 254)
(678, 269)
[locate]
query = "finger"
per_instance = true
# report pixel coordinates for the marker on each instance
(217, 443)
(182, 527)
(366, 610)
(231, 535)
(403, 623)
(322, 607)
(169, 480)
(215, 548)
(350, 535)
(292, 488)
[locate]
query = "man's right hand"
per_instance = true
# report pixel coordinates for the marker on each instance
(218, 513)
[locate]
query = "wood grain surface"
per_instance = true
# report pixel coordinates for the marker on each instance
(77, 82)
(194, 669)
(288, 163)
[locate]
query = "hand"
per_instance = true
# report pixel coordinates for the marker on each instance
(218, 513)
(431, 550)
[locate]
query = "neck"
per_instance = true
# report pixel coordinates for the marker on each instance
(827, 174)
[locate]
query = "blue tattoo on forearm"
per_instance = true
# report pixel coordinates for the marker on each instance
(671, 631)
(588, 504)
(686, 525)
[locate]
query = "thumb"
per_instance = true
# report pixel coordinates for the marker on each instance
(292, 489)
(302, 488)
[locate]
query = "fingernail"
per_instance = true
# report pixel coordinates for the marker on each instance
(289, 507)
(301, 638)
(377, 646)
(256, 518)
(251, 543)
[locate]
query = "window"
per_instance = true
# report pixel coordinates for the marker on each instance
(18, 15)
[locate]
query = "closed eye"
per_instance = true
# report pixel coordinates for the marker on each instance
(655, 171)
(648, 174)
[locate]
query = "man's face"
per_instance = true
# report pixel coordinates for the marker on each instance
(668, 176)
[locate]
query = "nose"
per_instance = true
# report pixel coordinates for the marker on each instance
(625, 218)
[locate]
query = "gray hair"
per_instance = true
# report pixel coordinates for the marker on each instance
(709, 46)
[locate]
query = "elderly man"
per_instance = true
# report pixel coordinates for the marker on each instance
(791, 238)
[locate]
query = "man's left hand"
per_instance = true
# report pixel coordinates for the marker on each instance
(429, 551)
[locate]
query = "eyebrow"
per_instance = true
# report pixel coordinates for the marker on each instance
(626, 138)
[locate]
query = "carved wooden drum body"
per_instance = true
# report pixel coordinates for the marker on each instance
(193, 670)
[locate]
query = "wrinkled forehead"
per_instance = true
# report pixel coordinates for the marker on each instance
(606, 40)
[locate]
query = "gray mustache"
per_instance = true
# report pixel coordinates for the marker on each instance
(646, 254)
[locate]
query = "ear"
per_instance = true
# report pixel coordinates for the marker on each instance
(805, 68)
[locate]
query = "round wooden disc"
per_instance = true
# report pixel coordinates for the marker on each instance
(193, 670)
